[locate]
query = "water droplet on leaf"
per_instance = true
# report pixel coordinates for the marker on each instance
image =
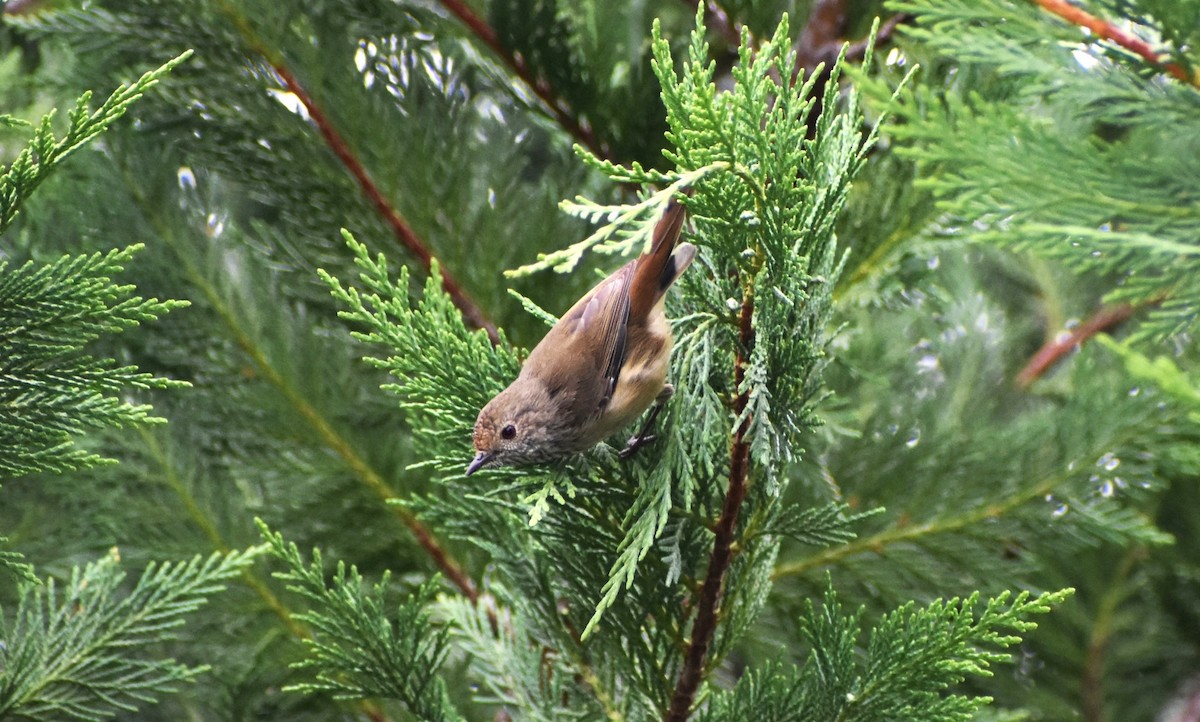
(928, 363)
(187, 179)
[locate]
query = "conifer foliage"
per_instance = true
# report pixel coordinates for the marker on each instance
(79, 654)
(49, 389)
(871, 496)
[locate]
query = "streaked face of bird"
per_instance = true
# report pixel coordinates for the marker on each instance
(522, 425)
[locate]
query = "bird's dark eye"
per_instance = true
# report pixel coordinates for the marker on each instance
(508, 432)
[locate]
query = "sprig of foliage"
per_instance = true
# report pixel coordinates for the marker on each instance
(1162, 371)
(913, 658)
(35, 163)
(625, 229)
(50, 390)
(826, 525)
(13, 564)
(509, 665)
(768, 197)
(360, 648)
(914, 654)
(80, 653)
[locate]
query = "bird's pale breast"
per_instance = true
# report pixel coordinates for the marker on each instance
(642, 376)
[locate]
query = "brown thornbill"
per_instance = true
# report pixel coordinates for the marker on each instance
(598, 369)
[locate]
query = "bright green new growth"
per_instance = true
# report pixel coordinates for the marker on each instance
(81, 653)
(11, 562)
(912, 655)
(1162, 371)
(49, 389)
(34, 164)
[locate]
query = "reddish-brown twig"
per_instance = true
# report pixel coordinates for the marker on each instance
(708, 604)
(820, 43)
(821, 39)
(1056, 349)
(557, 106)
(1105, 625)
(445, 563)
(471, 312)
(1107, 31)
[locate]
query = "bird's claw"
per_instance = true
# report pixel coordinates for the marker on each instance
(635, 443)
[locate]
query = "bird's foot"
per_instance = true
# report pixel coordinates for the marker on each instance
(644, 436)
(635, 443)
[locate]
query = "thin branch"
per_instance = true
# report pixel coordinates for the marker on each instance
(171, 477)
(1056, 349)
(708, 604)
(558, 107)
(1092, 685)
(820, 43)
(873, 262)
(338, 443)
(903, 532)
(821, 39)
(1107, 31)
(408, 238)
(586, 674)
(472, 313)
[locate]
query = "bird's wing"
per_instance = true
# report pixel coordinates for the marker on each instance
(586, 348)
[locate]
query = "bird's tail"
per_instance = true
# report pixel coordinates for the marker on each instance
(658, 269)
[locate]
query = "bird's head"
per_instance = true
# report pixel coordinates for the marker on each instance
(521, 425)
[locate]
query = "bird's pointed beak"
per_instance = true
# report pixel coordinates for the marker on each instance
(480, 460)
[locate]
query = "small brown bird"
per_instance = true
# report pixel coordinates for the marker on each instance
(598, 369)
